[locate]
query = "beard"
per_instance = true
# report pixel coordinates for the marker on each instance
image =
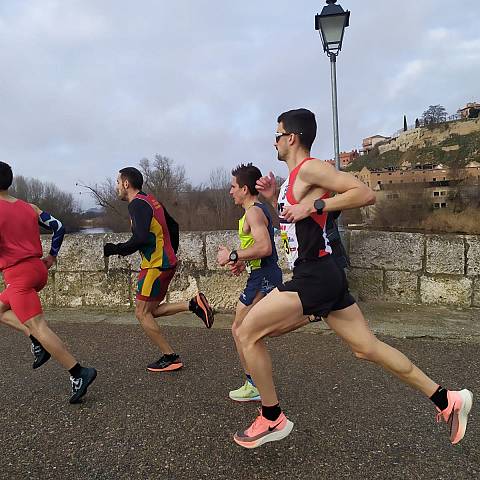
(280, 157)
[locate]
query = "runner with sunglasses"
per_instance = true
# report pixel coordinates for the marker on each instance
(319, 286)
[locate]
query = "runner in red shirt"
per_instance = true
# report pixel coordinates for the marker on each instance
(25, 273)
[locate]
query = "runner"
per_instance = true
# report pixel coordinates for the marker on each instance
(152, 238)
(319, 286)
(25, 273)
(257, 255)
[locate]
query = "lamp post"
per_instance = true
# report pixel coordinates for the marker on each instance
(331, 24)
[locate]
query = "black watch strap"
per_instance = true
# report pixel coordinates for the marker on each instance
(233, 257)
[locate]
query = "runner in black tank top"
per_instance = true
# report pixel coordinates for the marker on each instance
(319, 286)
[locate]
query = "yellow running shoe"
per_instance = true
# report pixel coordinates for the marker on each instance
(246, 393)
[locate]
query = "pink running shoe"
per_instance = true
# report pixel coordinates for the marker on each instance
(262, 431)
(456, 414)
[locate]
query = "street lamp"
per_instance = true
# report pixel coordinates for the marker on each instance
(331, 24)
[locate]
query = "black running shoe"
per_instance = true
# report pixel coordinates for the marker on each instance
(81, 383)
(40, 355)
(166, 363)
(200, 307)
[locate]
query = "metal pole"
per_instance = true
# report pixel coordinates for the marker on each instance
(333, 73)
(336, 142)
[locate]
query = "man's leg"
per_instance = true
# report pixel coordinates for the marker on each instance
(11, 320)
(169, 360)
(167, 309)
(81, 377)
(39, 353)
(278, 313)
(248, 391)
(351, 326)
(144, 313)
(198, 305)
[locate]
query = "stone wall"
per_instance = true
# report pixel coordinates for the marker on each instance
(409, 268)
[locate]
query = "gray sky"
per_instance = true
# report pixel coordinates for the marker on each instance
(90, 86)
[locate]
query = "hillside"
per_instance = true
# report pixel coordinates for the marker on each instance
(451, 144)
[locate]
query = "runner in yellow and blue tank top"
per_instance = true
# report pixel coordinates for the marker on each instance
(257, 255)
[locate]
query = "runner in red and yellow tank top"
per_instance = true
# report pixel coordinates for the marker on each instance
(25, 273)
(152, 238)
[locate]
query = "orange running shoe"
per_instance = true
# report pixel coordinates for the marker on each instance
(200, 307)
(456, 413)
(166, 363)
(262, 431)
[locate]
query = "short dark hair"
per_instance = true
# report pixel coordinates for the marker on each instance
(247, 175)
(133, 175)
(6, 176)
(302, 122)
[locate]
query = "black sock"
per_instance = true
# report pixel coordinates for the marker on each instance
(75, 370)
(170, 356)
(192, 304)
(35, 341)
(271, 413)
(250, 380)
(439, 398)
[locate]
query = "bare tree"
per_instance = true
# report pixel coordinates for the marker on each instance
(434, 114)
(50, 198)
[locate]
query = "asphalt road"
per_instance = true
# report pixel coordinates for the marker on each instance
(352, 420)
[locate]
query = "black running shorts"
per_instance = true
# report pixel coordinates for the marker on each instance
(321, 285)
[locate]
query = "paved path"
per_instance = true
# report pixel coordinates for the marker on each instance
(351, 419)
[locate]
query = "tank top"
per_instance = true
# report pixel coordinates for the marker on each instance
(306, 239)
(19, 233)
(158, 252)
(247, 240)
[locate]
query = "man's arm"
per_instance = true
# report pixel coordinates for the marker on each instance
(49, 222)
(351, 192)
(141, 214)
(262, 246)
(267, 186)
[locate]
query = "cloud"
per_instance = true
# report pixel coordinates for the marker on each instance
(88, 87)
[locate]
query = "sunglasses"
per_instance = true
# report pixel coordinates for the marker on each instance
(279, 135)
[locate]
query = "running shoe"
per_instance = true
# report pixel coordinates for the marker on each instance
(200, 307)
(166, 363)
(40, 355)
(262, 431)
(456, 413)
(246, 393)
(81, 383)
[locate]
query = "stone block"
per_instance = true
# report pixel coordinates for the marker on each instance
(182, 288)
(445, 254)
(47, 294)
(282, 257)
(222, 289)
(191, 251)
(446, 291)
(386, 250)
(116, 262)
(366, 284)
(213, 240)
(68, 289)
(476, 292)
(473, 255)
(110, 289)
(401, 287)
(81, 253)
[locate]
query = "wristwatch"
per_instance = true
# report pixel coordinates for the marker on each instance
(233, 257)
(319, 205)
